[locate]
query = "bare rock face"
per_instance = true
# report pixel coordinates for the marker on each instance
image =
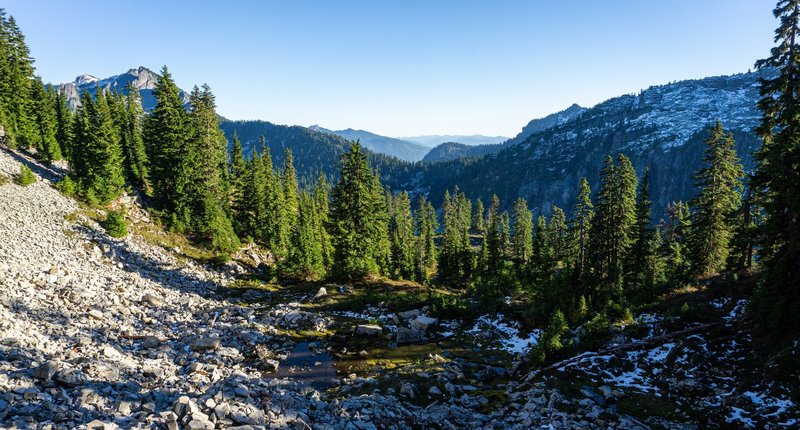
(141, 78)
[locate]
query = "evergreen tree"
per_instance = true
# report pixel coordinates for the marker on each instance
(720, 185)
(493, 262)
(103, 179)
(557, 234)
(541, 265)
(612, 227)
(290, 190)
(322, 210)
(642, 236)
(426, 225)
(675, 245)
(238, 169)
(478, 218)
(64, 127)
(380, 227)
(78, 154)
(305, 259)
(206, 165)
(43, 115)
(777, 179)
(505, 234)
(16, 81)
(133, 142)
(401, 230)
(522, 237)
(743, 242)
(354, 223)
(582, 213)
(165, 137)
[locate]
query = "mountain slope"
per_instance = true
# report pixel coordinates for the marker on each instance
(402, 149)
(662, 127)
(313, 151)
(453, 150)
(448, 151)
(142, 78)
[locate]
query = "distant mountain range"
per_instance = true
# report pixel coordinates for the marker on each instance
(471, 140)
(402, 149)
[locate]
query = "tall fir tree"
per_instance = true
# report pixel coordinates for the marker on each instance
(354, 224)
(238, 169)
(16, 80)
(743, 242)
(64, 127)
(493, 262)
(43, 103)
(676, 230)
(720, 190)
(777, 179)
(103, 180)
(522, 237)
(133, 141)
(644, 265)
(401, 230)
(479, 218)
(165, 137)
(558, 234)
(612, 226)
(322, 208)
(206, 165)
(290, 191)
(582, 214)
(426, 225)
(305, 258)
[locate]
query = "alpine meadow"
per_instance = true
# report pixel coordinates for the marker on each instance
(629, 264)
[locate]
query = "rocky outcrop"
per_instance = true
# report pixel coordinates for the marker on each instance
(141, 78)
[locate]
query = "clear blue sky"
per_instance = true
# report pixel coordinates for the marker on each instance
(405, 67)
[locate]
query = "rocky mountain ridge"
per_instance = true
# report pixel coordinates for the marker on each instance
(141, 78)
(662, 127)
(455, 149)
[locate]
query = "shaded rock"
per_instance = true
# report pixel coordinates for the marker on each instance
(206, 344)
(151, 300)
(46, 370)
(423, 323)
(369, 329)
(407, 315)
(409, 335)
(150, 342)
(70, 377)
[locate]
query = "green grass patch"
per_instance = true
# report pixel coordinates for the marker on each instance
(4, 179)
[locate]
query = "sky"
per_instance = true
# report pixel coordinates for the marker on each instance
(401, 68)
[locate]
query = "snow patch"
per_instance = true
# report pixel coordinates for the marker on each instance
(507, 333)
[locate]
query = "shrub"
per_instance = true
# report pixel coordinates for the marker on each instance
(115, 223)
(68, 186)
(25, 176)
